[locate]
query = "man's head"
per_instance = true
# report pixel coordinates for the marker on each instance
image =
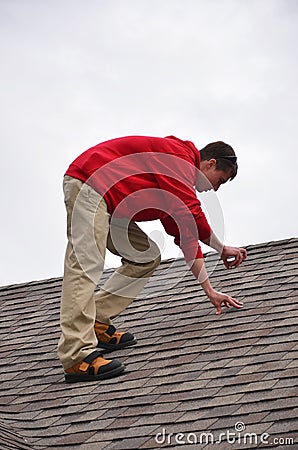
(218, 165)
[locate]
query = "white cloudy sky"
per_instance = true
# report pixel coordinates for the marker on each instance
(74, 73)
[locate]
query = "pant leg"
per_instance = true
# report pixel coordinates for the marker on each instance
(140, 257)
(83, 266)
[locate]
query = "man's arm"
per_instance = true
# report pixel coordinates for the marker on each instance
(217, 298)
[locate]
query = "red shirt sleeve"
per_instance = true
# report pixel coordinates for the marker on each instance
(183, 218)
(191, 248)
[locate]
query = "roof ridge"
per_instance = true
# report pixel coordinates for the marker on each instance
(163, 262)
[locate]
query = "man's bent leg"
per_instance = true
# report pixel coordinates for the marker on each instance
(140, 257)
(83, 266)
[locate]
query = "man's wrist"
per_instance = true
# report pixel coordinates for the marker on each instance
(216, 244)
(208, 289)
(223, 249)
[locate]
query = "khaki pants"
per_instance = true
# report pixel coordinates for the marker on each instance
(90, 230)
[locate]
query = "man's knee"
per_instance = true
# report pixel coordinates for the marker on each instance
(147, 268)
(157, 261)
(150, 259)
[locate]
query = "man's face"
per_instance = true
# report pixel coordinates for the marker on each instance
(211, 178)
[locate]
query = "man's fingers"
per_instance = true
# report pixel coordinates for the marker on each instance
(233, 256)
(239, 257)
(236, 303)
(230, 262)
(218, 310)
(227, 301)
(243, 252)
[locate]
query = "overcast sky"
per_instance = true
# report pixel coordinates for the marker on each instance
(75, 73)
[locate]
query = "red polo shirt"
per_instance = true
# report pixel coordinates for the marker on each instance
(147, 178)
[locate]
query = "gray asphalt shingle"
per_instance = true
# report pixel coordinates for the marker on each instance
(192, 372)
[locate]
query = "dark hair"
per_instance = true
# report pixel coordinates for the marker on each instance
(224, 155)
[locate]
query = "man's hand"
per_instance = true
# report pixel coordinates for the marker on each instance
(218, 299)
(233, 256)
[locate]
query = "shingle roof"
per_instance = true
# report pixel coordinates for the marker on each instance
(192, 372)
(11, 440)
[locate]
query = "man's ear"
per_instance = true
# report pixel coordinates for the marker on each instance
(211, 163)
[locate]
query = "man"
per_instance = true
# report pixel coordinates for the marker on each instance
(107, 189)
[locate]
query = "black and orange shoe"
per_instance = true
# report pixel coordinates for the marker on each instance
(110, 339)
(94, 367)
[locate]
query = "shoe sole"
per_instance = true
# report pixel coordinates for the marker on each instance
(112, 347)
(74, 378)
